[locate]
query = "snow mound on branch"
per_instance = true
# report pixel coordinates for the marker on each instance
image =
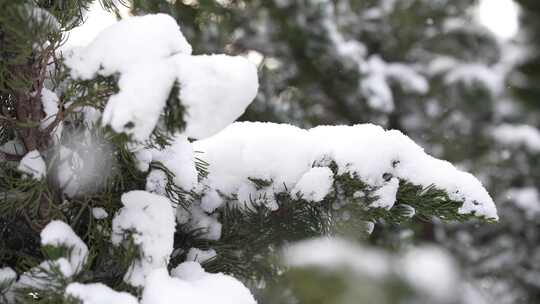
(283, 154)
(150, 54)
(178, 158)
(216, 90)
(58, 234)
(98, 293)
(149, 220)
(33, 164)
(315, 184)
(124, 44)
(386, 195)
(516, 135)
(194, 286)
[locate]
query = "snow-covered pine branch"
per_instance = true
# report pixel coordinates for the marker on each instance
(253, 171)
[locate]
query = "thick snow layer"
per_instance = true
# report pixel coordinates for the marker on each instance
(283, 154)
(150, 53)
(144, 89)
(215, 89)
(126, 44)
(98, 293)
(198, 287)
(149, 219)
(33, 164)
(57, 234)
(518, 135)
(315, 184)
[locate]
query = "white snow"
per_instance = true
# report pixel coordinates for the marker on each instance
(518, 135)
(196, 219)
(99, 213)
(50, 101)
(211, 201)
(7, 277)
(144, 89)
(150, 53)
(97, 293)
(283, 153)
(188, 271)
(215, 89)
(125, 44)
(57, 234)
(39, 277)
(70, 170)
(315, 184)
(386, 194)
(33, 164)
(196, 286)
(149, 219)
(180, 160)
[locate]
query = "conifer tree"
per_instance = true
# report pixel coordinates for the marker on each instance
(122, 170)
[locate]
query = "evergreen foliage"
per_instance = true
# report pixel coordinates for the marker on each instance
(321, 82)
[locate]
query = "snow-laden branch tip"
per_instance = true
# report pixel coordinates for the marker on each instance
(283, 154)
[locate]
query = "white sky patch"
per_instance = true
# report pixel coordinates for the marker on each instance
(500, 16)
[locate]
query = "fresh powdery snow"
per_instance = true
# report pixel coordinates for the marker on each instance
(33, 165)
(315, 184)
(178, 158)
(283, 153)
(194, 285)
(149, 219)
(150, 54)
(58, 234)
(97, 293)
